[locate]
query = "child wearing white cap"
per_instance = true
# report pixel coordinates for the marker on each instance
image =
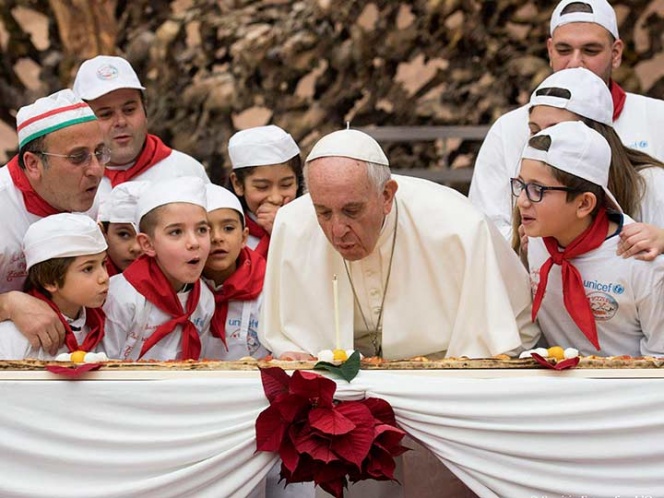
(65, 256)
(267, 174)
(117, 219)
(584, 33)
(613, 305)
(158, 308)
(112, 89)
(636, 178)
(235, 275)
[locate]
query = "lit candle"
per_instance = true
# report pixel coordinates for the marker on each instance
(335, 289)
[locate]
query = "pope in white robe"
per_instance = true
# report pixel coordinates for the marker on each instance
(445, 283)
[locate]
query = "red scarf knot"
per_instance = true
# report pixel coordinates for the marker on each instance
(149, 280)
(94, 320)
(574, 294)
(153, 151)
(245, 284)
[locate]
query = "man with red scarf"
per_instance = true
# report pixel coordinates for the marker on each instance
(112, 89)
(583, 34)
(58, 169)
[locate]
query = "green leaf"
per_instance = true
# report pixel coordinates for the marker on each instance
(347, 370)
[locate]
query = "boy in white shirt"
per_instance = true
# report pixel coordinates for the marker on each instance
(117, 219)
(613, 305)
(235, 275)
(65, 255)
(158, 308)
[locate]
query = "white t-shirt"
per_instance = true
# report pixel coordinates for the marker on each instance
(625, 294)
(131, 319)
(241, 331)
(14, 345)
(639, 126)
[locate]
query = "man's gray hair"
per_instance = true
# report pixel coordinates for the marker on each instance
(378, 174)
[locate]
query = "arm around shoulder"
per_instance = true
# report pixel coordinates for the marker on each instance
(39, 324)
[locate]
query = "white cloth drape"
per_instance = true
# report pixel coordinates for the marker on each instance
(505, 437)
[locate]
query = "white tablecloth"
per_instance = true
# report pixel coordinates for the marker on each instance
(517, 437)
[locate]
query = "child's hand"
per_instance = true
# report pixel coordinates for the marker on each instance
(641, 240)
(524, 241)
(265, 215)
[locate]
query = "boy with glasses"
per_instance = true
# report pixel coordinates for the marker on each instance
(612, 305)
(584, 33)
(58, 168)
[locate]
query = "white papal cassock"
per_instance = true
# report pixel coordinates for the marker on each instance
(456, 286)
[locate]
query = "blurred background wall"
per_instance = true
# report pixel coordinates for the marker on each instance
(213, 67)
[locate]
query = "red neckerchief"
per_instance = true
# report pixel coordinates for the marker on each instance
(111, 267)
(153, 151)
(33, 201)
(147, 278)
(94, 320)
(258, 231)
(245, 284)
(574, 294)
(618, 96)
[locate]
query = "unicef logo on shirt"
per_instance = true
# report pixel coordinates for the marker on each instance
(107, 72)
(618, 289)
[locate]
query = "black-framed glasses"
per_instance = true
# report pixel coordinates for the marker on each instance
(534, 191)
(83, 158)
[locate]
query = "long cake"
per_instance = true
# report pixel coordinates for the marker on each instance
(420, 363)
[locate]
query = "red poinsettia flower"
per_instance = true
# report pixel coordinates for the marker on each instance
(323, 440)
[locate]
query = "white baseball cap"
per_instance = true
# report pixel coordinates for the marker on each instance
(583, 93)
(261, 146)
(120, 205)
(104, 74)
(579, 150)
(222, 198)
(48, 114)
(601, 13)
(354, 144)
(60, 236)
(187, 189)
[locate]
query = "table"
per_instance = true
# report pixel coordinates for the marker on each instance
(515, 433)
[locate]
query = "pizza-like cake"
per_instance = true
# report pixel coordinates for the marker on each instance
(419, 363)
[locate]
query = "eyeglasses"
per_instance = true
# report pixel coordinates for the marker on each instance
(83, 158)
(534, 192)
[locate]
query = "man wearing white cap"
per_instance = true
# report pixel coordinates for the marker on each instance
(65, 256)
(58, 169)
(111, 87)
(420, 272)
(158, 308)
(586, 296)
(583, 34)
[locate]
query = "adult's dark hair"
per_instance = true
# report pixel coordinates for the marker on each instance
(35, 146)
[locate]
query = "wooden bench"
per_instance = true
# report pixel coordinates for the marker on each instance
(446, 176)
